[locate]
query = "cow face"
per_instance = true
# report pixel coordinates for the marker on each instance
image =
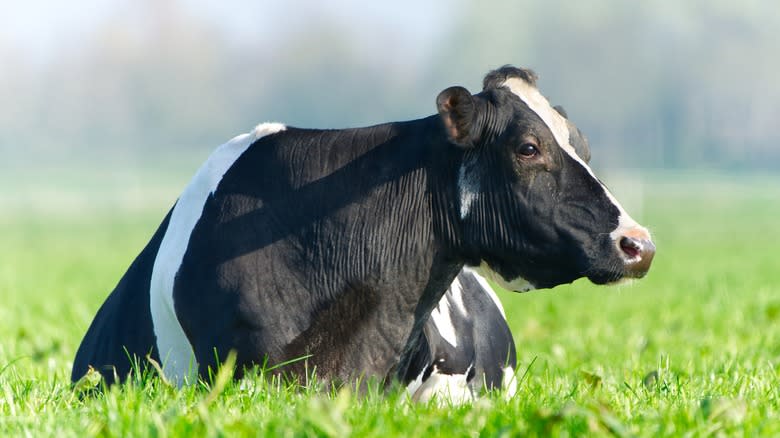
(532, 212)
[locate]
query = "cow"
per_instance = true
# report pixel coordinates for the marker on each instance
(334, 246)
(466, 346)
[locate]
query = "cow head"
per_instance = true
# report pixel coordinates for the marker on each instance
(531, 211)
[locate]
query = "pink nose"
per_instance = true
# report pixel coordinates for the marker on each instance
(638, 251)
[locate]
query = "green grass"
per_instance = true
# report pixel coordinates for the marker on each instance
(693, 349)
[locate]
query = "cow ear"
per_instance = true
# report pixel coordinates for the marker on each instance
(458, 112)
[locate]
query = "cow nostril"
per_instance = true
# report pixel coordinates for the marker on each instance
(631, 247)
(638, 255)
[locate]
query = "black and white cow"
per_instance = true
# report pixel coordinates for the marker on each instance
(336, 245)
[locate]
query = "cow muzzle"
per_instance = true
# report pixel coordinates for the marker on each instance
(637, 251)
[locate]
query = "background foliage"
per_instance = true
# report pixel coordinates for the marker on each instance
(654, 84)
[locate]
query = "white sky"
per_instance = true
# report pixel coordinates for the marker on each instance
(42, 28)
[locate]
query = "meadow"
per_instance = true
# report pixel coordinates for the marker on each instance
(691, 350)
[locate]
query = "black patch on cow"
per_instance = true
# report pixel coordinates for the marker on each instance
(494, 346)
(122, 332)
(328, 338)
(305, 220)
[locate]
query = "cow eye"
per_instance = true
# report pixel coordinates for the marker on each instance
(527, 150)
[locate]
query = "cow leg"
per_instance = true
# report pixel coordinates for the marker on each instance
(466, 347)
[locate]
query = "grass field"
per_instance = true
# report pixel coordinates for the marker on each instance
(693, 349)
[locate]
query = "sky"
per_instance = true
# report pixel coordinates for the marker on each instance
(44, 29)
(673, 80)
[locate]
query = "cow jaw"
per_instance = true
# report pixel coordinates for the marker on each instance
(517, 284)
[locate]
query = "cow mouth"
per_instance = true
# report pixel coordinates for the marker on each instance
(617, 275)
(607, 277)
(630, 258)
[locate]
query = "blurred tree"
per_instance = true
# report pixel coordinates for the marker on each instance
(653, 84)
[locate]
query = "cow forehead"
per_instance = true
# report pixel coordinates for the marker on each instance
(565, 133)
(556, 123)
(539, 104)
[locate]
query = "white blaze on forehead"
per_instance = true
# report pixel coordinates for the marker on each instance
(557, 125)
(539, 104)
(176, 353)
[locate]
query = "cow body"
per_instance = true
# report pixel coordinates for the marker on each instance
(222, 247)
(336, 245)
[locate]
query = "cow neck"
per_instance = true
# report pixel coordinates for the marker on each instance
(441, 163)
(416, 199)
(419, 202)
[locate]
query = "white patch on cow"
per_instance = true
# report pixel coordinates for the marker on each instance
(442, 320)
(518, 284)
(445, 389)
(509, 382)
(264, 129)
(557, 125)
(485, 286)
(456, 292)
(415, 384)
(176, 353)
(468, 186)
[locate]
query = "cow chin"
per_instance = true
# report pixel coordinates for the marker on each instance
(606, 277)
(538, 278)
(519, 278)
(518, 284)
(547, 280)
(612, 277)
(612, 268)
(612, 272)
